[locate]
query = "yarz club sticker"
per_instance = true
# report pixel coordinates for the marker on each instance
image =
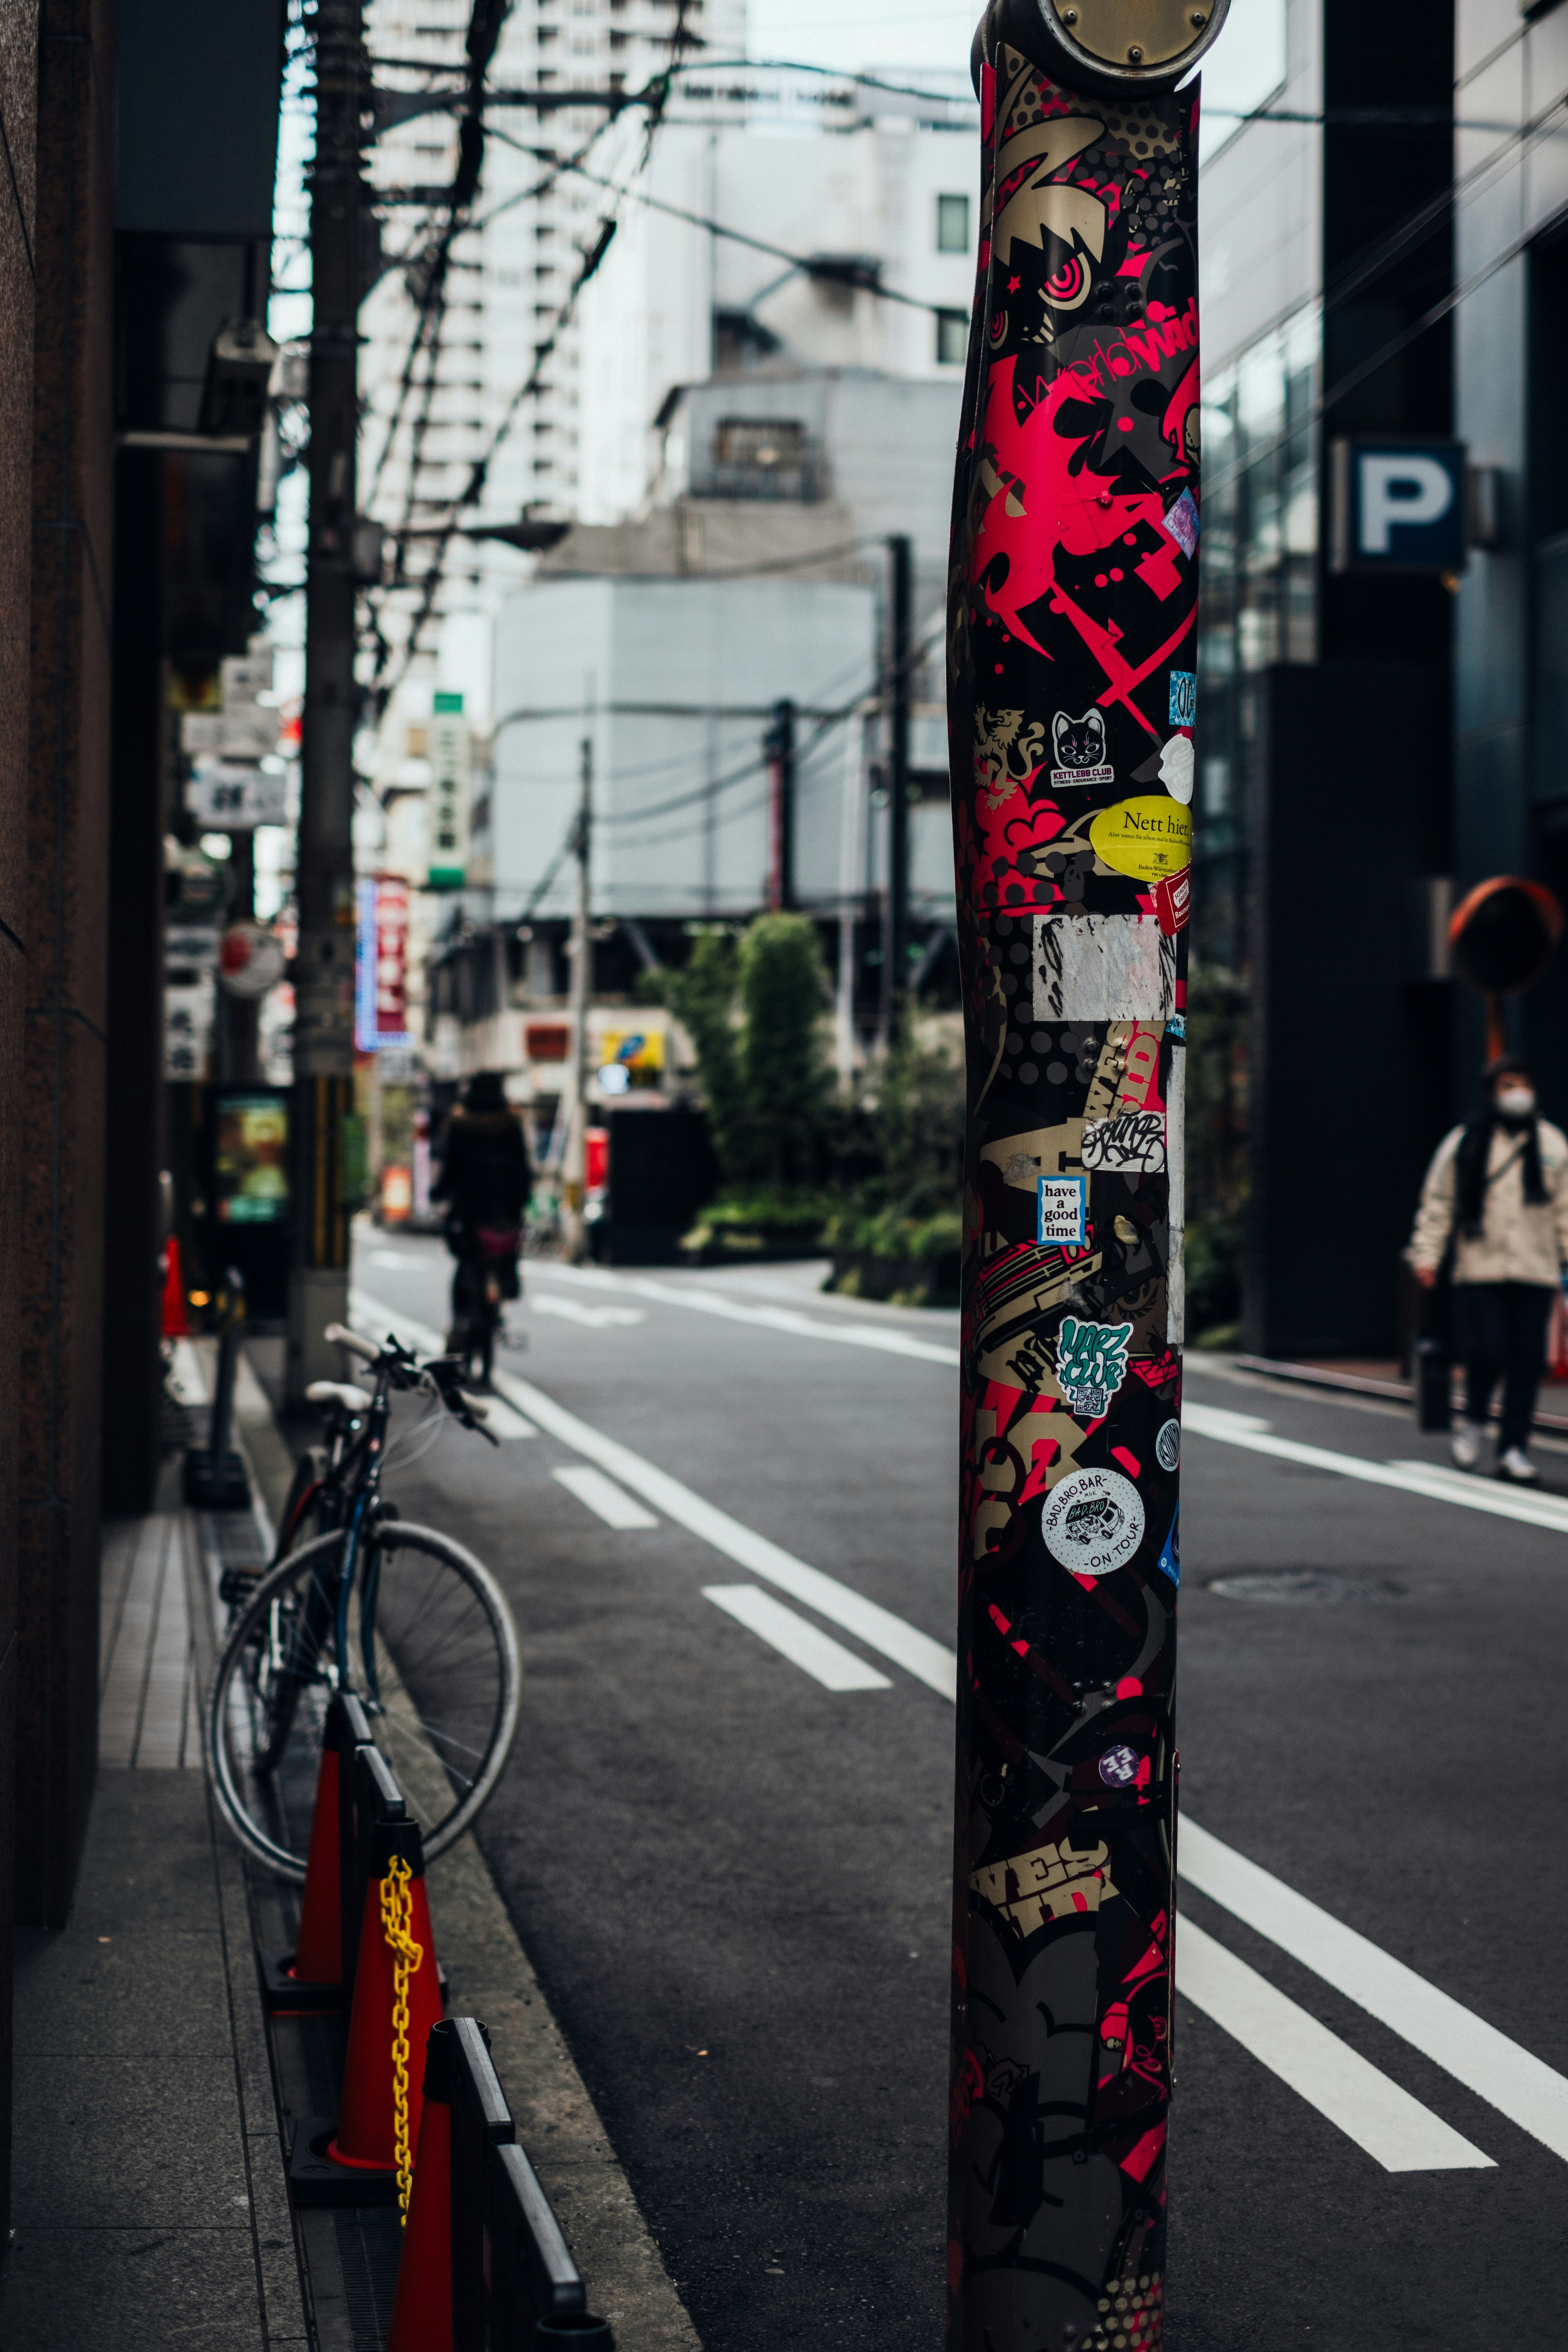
(1093, 1522)
(1092, 1364)
(1079, 747)
(1064, 1201)
(1184, 697)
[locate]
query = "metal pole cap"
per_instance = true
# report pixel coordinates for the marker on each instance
(1111, 44)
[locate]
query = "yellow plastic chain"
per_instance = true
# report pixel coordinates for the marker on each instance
(396, 1918)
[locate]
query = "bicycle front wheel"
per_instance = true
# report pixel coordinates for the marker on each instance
(432, 1653)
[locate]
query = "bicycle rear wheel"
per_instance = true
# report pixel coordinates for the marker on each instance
(433, 1653)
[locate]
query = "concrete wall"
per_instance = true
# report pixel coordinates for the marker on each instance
(18, 68)
(680, 675)
(65, 928)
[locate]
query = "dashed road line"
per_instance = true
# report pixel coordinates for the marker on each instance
(613, 1503)
(826, 1659)
(1498, 2069)
(591, 1318)
(1363, 2101)
(888, 1340)
(1485, 2061)
(929, 1662)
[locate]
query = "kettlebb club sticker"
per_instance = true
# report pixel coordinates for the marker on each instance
(1093, 1521)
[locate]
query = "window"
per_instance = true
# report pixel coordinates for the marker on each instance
(952, 223)
(951, 338)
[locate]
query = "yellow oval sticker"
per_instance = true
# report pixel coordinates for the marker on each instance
(1149, 838)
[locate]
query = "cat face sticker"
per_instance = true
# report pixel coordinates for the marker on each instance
(1080, 748)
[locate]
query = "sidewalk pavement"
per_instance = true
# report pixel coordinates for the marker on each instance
(152, 2114)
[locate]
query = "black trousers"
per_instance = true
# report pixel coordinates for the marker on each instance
(1500, 1328)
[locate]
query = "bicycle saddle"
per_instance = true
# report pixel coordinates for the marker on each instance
(342, 1392)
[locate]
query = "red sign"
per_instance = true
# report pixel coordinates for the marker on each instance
(391, 958)
(1173, 901)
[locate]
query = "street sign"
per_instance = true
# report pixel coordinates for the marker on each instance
(1396, 506)
(250, 960)
(381, 965)
(232, 797)
(449, 775)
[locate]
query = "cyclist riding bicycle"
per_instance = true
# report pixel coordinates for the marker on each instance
(485, 1182)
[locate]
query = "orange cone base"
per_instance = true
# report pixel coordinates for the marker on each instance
(319, 1957)
(366, 2122)
(422, 2307)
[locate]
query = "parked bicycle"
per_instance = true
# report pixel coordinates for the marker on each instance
(359, 1600)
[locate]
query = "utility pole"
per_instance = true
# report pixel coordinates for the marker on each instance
(779, 751)
(896, 929)
(576, 1168)
(323, 1155)
(1071, 693)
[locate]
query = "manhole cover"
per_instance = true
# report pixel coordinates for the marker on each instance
(1300, 1587)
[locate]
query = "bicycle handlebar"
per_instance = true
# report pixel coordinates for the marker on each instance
(338, 1335)
(442, 1374)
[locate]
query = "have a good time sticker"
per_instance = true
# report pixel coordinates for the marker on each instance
(1093, 1521)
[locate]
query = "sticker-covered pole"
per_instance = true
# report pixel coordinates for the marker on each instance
(1072, 699)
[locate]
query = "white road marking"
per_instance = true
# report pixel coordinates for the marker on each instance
(613, 1503)
(401, 1259)
(1496, 2069)
(593, 1318)
(502, 1421)
(830, 1664)
(929, 1662)
(1394, 2128)
(1427, 1479)
(887, 1339)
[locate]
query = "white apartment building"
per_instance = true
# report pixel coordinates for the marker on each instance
(877, 181)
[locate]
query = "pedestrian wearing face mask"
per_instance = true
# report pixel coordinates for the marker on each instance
(1494, 1215)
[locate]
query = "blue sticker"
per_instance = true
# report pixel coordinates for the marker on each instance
(1170, 1560)
(1184, 697)
(1176, 1026)
(1064, 1211)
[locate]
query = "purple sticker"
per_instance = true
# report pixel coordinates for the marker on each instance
(1182, 522)
(1118, 1766)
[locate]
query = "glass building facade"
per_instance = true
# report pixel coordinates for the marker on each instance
(1260, 599)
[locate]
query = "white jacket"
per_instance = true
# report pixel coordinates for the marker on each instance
(1519, 1242)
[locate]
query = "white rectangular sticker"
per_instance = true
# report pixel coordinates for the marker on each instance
(1103, 968)
(1064, 1201)
(1130, 1144)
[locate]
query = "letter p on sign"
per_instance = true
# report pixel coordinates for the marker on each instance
(1400, 490)
(1398, 507)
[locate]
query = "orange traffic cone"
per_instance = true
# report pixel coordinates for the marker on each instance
(174, 1325)
(396, 2000)
(319, 1957)
(422, 2307)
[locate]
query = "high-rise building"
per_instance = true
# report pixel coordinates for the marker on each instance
(458, 326)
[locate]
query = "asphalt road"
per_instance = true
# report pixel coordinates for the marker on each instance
(733, 1878)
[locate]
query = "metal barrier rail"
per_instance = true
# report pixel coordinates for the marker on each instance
(514, 2282)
